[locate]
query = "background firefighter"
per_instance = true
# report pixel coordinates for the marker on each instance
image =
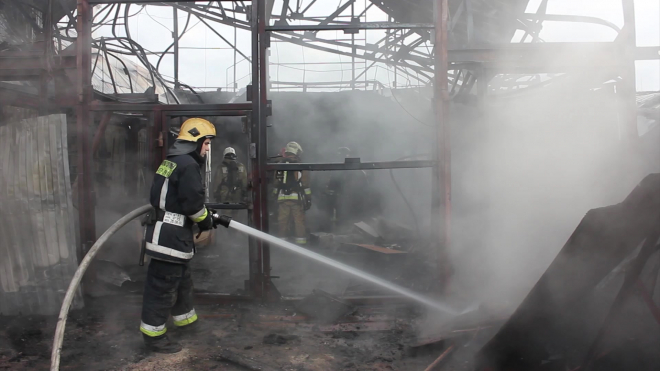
(231, 179)
(294, 196)
(177, 195)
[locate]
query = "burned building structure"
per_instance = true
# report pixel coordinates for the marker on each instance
(477, 117)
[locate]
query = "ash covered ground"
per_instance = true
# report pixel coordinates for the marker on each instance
(105, 336)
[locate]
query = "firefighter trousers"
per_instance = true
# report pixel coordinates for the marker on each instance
(288, 210)
(167, 290)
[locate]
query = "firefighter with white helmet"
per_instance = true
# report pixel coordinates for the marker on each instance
(231, 179)
(177, 195)
(294, 196)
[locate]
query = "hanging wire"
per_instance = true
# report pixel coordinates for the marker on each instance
(401, 105)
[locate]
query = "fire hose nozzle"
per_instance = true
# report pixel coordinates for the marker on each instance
(222, 220)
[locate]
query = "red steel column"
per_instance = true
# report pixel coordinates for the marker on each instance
(257, 168)
(265, 9)
(86, 215)
(441, 187)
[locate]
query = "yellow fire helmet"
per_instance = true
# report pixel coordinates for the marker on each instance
(196, 128)
(293, 148)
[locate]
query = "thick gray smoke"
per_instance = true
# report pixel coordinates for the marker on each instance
(525, 169)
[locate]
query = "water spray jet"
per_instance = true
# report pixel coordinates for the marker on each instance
(428, 302)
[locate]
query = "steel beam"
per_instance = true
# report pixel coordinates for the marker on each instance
(350, 166)
(352, 26)
(647, 53)
(237, 109)
(553, 57)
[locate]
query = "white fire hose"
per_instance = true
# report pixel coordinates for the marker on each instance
(75, 282)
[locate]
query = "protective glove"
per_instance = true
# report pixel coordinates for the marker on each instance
(207, 223)
(308, 203)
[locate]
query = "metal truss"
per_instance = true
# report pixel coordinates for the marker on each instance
(405, 50)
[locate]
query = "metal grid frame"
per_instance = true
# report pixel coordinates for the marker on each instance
(259, 283)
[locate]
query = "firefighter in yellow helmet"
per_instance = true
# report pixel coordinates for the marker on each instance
(177, 195)
(293, 194)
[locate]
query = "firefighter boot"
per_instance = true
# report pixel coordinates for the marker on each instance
(161, 344)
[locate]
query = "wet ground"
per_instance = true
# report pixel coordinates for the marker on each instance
(105, 336)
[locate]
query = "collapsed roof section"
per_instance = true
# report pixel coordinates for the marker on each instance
(405, 51)
(408, 50)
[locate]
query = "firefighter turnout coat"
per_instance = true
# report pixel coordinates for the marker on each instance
(231, 182)
(177, 194)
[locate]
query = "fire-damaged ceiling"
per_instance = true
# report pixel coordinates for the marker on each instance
(473, 23)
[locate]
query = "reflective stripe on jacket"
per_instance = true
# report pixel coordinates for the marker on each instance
(178, 193)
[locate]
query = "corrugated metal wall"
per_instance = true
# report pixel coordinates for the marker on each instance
(37, 219)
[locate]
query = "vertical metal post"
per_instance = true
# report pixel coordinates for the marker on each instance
(628, 93)
(86, 215)
(353, 50)
(441, 187)
(175, 35)
(255, 246)
(265, 10)
(484, 76)
(47, 53)
(235, 56)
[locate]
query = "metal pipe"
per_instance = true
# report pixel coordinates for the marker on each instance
(107, 62)
(77, 277)
(444, 355)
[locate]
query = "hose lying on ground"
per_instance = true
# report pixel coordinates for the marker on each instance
(75, 281)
